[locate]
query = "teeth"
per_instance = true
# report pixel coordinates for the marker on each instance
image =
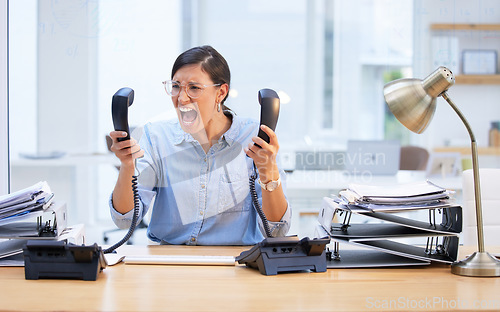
(185, 109)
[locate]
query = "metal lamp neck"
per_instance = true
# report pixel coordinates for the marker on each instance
(475, 171)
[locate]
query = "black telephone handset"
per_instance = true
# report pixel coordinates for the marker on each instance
(122, 99)
(269, 111)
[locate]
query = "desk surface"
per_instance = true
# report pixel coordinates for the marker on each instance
(225, 288)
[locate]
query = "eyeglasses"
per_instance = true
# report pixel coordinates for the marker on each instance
(193, 89)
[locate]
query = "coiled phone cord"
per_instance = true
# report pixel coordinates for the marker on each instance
(135, 216)
(256, 203)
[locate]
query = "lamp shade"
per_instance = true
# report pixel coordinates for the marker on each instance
(413, 101)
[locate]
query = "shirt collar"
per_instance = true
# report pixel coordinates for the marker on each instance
(229, 136)
(179, 134)
(233, 131)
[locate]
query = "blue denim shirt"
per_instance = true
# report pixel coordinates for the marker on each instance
(199, 198)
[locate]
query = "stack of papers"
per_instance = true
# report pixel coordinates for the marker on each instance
(412, 196)
(18, 205)
(384, 224)
(17, 212)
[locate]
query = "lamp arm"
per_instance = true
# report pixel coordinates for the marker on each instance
(459, 113)
(475, 170)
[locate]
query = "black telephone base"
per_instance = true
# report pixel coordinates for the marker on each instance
(61, 260)
(286, 254)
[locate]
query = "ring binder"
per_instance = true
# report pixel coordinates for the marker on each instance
(441, 239)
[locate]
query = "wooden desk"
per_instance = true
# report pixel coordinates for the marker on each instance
(202, 288)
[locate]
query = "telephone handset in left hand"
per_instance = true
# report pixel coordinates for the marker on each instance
(122, 99)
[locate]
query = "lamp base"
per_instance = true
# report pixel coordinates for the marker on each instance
(480, 264)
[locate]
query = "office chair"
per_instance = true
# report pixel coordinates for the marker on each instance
(490, 196)
(142, 225)
(413, 158)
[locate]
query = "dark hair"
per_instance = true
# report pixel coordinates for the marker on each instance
(212, 63)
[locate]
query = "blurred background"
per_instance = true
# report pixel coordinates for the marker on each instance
(327, 59)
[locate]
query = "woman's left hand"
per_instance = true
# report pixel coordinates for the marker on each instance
(264, 156)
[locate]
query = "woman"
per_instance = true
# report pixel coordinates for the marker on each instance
(195, 171)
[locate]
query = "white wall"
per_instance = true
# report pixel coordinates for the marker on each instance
(4, 141)
(23, 85)
(264, 43)
(67, 65)
(136, 57)
(479, 103)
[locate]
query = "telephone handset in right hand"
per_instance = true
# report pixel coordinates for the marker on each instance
(270, 109)
(122, 99)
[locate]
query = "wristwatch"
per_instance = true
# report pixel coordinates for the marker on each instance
(271, 185)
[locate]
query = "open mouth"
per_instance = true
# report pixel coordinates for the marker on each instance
(188, 114)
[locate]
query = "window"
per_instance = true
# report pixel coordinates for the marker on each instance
(326, 59)
(67, 60)
(4, 139)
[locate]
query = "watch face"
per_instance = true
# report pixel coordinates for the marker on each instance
(271, 186)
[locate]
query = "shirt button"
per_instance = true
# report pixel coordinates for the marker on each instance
(193, 239)
(203, 186)
(201, 213)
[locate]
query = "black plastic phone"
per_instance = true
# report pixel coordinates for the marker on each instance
(62, 260)
(122, 99)
(269, 111)
(286, 254)
(65, 260)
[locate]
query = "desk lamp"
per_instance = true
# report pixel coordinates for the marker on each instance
(413, 102)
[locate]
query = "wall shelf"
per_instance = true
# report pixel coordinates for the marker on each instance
(466, 150)
(486, 27)
(477, 79)
(471, 79)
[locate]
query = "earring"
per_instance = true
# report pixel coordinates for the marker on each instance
(218, 107)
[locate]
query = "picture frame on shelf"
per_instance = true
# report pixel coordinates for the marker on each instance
(443, 165)
(479, 62)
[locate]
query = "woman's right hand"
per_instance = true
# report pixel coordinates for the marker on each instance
(127, 151)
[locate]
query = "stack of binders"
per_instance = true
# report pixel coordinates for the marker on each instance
(31, 214)
(395, 225)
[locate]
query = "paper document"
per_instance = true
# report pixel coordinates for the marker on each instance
(24, 195)
(35, 198)
(400, 190)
